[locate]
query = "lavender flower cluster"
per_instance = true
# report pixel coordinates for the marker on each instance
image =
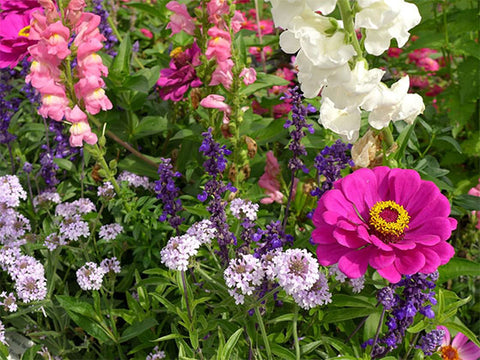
(135, 180)
(295, 270)
(179, 249)
(329, 162)
(27, 273)
(215, 188)
(299, 120)
(416, 296)
(90, 276)
(357, 284)
(105, 28)
(168, 193)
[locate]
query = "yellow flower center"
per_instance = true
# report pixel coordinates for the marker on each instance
(388, 220)
(449, 353)
(24, 31)
(175, 52)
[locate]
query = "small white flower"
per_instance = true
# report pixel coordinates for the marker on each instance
(176, 254)
(393, 104)
(345, 121)
(385, 20)
(243, 275)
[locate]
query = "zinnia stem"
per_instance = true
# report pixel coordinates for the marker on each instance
(295, 333)
(264, 332)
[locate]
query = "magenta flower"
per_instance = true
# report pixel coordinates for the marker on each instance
(389, 219)
(175, 81)
(14, 28)
(458, 349)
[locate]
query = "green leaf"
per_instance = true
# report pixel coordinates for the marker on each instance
(264, 81)
(170, 337)
(149, 9)
(284, 317)
(197, 210)
(452, 141)
(457, 267)
(467, 202)
(137, 166)
(64, 164)
(305, 349)
(92, 327)
(78, 306)
(182, 134)
(341, 300)
(121, 63)
(137, 82)
(31, 352)
(281, 352)
(338, 315)
(137, 329)
(230, 345)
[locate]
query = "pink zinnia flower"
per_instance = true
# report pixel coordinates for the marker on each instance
(269, 180)
(394, 52)
(389, 219)
(14, 30)
(458, 349)
(175, 81)
(180, 19)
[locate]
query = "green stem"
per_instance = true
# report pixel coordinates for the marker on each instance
(295, 333)
(264, 332)
(120, 39)
(349, 26)
(388, 137)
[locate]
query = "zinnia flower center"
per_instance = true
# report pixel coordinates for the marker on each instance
(449, 353)
(388, 221)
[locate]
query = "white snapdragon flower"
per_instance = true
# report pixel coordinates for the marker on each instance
(283, 11)
(393, 104)
(384, 20)
(354, 91)
(310, 33)
(342, 121)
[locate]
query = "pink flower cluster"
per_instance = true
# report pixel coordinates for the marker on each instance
(49, 52)
(475, 191)
(269, 180)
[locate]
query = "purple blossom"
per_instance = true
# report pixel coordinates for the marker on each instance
(295, 270)
(243, 275)
(106, 191)
(46, 198)
(90, 276)
(299, 121)
(168, 193)
(74, 227)
(329, 162)
(178, 251)
(11, 192)
(273, 237)
(29, 276)
(135, 180)
(156, 354)
(111, 265)
(430, 342)
(215, 154)
(203, 231)
(53, 241)
(319, 294)
(13, 226)
(105, 28)
(9, 301)
(110, 231)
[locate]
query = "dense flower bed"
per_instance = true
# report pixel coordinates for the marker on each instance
(239, 180)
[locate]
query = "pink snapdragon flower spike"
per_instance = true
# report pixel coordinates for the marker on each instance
(80, 130)
(214, 101)
(249, 76)
(74, 11)
(389, 219)
(180, 19)
(460, 348)
(269, 180)
(90, 89)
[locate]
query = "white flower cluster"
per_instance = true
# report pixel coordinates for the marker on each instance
(328, 62)
(246, 208)
(179, 249)
(295, 270)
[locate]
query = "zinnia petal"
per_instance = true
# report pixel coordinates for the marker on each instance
(409, 262)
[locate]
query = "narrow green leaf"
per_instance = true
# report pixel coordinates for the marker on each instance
(451, 141)
(121, 63)
(170, 337)
(137, 329)
(467, 202)
(464, 330)
(64, 164)
(457, 267)
(281, 352)
(338, 315)
(231, 343)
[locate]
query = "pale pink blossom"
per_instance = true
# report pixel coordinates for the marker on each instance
(269, 180)
(475, 191)
(214, 101)
(237, 21)
(90, 89)
(180, 19)
(219, 47)
(74, 11)
(249, 76)
(56, 36)
(80, 130)
(223, 74)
